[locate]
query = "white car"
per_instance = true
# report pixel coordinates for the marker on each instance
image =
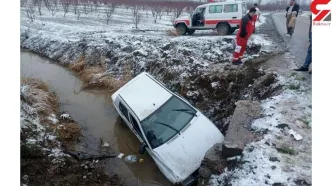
(174, 133)
(224, 16)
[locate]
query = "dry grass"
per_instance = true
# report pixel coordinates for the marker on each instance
(78, 66)
(38, 95)
(172, 32)
(95, 77)
(36, 83)
(68, 132)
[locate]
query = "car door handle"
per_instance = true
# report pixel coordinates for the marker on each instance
(234, 17)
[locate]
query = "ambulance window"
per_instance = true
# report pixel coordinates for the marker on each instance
(215, 9)
(230, 8)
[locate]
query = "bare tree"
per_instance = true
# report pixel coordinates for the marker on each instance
(91, 5)
(39, 4)
(75, 5)
(136, 15)
(178, 11)
(53, 7)
(156, 12)
(47, 4)
(65, 5)
(78, 12)
(110, 7)
(31, 12)
(96, 7)
(23, 2)
(85, 4)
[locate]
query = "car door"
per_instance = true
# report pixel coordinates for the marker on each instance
(135, 128)
(133, 124)
(124, 114)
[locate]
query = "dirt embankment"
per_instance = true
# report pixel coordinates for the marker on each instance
(45, 136)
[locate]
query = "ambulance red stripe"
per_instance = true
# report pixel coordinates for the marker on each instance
(212, 22)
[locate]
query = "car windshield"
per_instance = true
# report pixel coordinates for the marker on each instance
(175, 113)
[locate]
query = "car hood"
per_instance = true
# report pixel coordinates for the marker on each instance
(183, 155)
(183, 17)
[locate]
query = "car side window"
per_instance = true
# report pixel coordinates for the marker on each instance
(135, 125)
(230, 8)
(124, 110)
(215, 9)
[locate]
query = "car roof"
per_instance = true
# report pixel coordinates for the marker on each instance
(144, 95)
(220, 3)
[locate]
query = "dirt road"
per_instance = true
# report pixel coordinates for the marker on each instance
(298, 43)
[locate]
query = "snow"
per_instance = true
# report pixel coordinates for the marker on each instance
(65, 116)
(63, 38)
(53, 119)
(289, 108)
(36, 132)
(262, 19)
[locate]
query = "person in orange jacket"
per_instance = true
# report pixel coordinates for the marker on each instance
(245, 31)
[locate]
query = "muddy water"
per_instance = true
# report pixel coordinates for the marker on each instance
(93, 110)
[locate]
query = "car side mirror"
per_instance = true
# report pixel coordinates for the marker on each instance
(142, 148)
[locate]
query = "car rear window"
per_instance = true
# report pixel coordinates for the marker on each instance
(230, 8)
(215, 9)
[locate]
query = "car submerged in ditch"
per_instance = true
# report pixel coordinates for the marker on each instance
(174, 133)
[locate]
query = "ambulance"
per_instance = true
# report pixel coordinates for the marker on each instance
(224, 16)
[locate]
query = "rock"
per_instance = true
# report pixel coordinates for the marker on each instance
(238, 134)
(295, 135)
(213, 163)
(273, 159)
(283, 126)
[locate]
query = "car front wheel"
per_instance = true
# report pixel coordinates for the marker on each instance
(181, 29)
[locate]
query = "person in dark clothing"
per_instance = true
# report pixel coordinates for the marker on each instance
(198, 17)
(308, 59)
(292, 8)
(246, 29)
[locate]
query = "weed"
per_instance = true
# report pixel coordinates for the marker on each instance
(286, 150)
(30, 151)
(300, 78)
(68, 132)
(294, 86)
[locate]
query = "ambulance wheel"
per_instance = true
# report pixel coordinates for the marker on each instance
(181, 29)
(191, 31)
(223, 29)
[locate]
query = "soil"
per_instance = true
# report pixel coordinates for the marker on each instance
(41, 171)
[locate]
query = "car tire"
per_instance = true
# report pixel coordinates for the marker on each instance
(223, 29)
(232, 30)
(181, 29)
(191, 31)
